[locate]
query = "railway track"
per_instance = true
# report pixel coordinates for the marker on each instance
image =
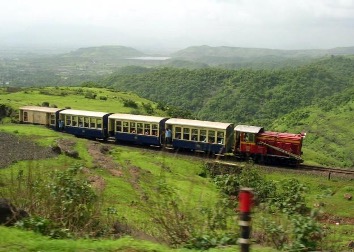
(230, 162)
(325, 169)
(301, 167)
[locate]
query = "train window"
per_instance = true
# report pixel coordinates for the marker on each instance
(140, 129)
(99, 123)
(119, 126)
(178, 132)
(92, 123)
(251, 137)
(220, 139)
(211, 136)
(81, 121)
(126, 127)
(52, 119)
(86, 122)
(186, 133)
(203, 136)
(147, 128)
(247, 137)
(132, 127)
(68, 120)
(25, 116)
(74, 121)
(155, 129)
(194, 135)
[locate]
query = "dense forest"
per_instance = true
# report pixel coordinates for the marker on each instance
(321, 93)
(242, 96)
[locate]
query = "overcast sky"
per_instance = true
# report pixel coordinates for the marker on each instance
(176, 24)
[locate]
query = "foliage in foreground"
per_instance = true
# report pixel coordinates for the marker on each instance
(60, 203)
(289, 224)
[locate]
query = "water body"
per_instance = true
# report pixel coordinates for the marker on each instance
(149, 58)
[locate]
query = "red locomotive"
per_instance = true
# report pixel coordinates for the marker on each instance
(267, 146)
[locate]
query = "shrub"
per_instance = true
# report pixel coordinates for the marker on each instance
(290, 197)
(230, 184)
(59, 200)
(307, 234)
(90, 95)
(45, 104)
(43, 226)
(129, 103)
(148, 108)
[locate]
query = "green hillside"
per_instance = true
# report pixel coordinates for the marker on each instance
(94, 99)
(257, 97)
(115, 197)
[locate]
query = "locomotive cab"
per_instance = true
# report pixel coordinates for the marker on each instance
(245, 142)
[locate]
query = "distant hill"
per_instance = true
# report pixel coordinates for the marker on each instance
(233, 52)
(89, 64)
(113, 52)
(238, 57)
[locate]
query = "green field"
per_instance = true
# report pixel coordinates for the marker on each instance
(149, 192)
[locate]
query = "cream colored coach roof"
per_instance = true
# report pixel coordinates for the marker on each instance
(82, 113)
(248, 129)
(197, 123)
(40, 109)
(139, 118)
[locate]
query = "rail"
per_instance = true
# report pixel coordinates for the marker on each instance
(325, 169)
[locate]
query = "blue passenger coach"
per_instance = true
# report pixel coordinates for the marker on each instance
(83, 123)
(206, 136)
(137, 129)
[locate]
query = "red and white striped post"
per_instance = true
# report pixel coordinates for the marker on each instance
(245, 204)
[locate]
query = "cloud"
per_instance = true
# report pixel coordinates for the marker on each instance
(180, 23)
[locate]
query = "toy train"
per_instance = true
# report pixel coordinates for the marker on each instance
(218, 138)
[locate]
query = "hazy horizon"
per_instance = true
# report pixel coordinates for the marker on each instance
(166, 26)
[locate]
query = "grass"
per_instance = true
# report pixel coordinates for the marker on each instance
(141, 170)
(75, 98)
(151, 167)
(12, 239)
(181, 173)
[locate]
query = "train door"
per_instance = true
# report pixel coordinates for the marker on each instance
(238, 141)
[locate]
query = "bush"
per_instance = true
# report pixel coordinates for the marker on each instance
(230, 184)
(90, 95)
(45, 104)
(290, 197)
(307, 233)
(148, 108)
(59, 200)
(129, 103)
(44, 227)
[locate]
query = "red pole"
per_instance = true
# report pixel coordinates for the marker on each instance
(245, 204)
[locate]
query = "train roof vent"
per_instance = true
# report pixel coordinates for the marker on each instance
(248, 129)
